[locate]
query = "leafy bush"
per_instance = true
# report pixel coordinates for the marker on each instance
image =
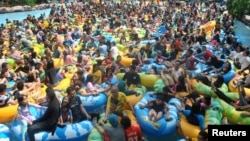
(238, 8)
(29, 2)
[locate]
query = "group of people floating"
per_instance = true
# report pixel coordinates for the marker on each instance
(61, 33)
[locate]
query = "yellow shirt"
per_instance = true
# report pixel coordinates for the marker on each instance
(98, 75)
(81, 91)
(122, 100)
(46, 24)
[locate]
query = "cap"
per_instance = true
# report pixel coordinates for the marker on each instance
(113, 120)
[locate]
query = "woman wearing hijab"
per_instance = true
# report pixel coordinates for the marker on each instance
(48, 122)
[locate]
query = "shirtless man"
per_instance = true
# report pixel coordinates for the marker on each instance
(25, 88)
(172, 75)
(175, 72)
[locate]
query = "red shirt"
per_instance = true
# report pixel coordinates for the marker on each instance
(133, 133)
(105, 137)
(108, 61)
(177, 45)
(208, 54)
(191, 63)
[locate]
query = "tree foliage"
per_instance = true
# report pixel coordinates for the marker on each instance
(238, 8)
(23, 2)
(29, 2)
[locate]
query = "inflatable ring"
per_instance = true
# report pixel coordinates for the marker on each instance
(213, 116)
(206, 90)
(232, 115)
(209, 26)
(127, 61)
(11, 62)
(121, 47)
(96, 136)
(148, 41)
(58, 62)
(76, 131)
(10, 86)
(147, 67)
(46, 24)
(228, 76)
(159, 85)
(63, 84)
(7, 113)
(185, 127)
(133, 99)
(231, 86)
(4, 133)
(94, 103)
(161, 127)
(147, 80)
(78, 48)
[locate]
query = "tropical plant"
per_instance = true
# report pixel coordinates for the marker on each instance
(29, 2)
(238, 8)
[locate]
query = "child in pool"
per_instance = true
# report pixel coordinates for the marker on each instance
(25, 116)
(65, 114)
(156, 109)
(91, 87)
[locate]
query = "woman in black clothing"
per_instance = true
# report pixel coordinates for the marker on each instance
(131, 77)
(215, 64)
(52, 78)
(226, 68)
(216, 37)
(75, 104)
(48, 122)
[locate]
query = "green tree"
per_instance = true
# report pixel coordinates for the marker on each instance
(238, 8)
(29, 2)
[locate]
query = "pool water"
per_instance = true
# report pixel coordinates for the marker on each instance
(242, 31)
(22, 15)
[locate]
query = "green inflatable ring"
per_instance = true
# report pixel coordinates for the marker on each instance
(159, 85)
(94, 134)
(10, 61)
(42, 52)
(214, 113)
